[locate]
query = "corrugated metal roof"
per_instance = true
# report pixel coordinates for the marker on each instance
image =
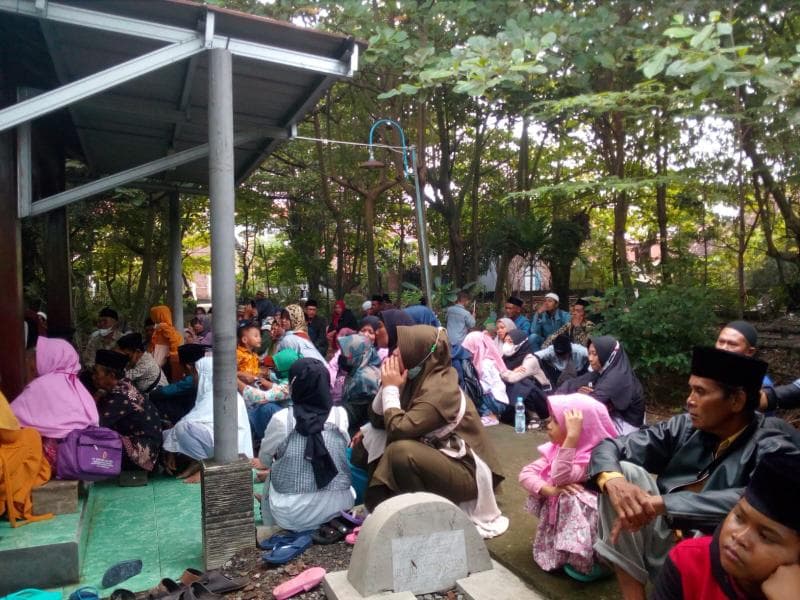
(165, 111)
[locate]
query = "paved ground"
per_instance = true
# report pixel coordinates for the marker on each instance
(513, 548)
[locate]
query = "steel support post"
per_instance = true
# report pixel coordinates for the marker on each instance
(175, 291)
(422, 231)
(223, 253)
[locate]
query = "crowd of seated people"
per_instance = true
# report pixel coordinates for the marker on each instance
(379, 392)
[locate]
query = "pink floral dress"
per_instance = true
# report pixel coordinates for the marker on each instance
(567, 526)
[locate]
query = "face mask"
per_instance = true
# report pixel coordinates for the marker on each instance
(104, 332)
(414, 372)
(508, 349)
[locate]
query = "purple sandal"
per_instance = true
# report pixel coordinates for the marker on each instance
(351, 518)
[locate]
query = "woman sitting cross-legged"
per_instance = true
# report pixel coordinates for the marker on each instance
(612, 382)
(193, 435)
(524, 378)
(566, 510)
(55, 402)
(434, 439)
(123, 409)
(305, 447)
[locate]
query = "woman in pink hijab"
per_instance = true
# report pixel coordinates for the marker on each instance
(488, 363)
(56, 402)
(567, 511)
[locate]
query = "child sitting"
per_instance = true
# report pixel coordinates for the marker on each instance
(755, 553)
(566, 510)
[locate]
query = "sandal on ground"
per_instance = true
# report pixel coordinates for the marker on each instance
(84, 593)
(489, 420)
(326, 535)
(197, 591)
(598, 572)
(121, 571)
(352, 537)
(122, 594)
(281, 539)
(283, 554)
(167, 589)
(305, 581)
(215, 580)
(351, 518)
(333, 531)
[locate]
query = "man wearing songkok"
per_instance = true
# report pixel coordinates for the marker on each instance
(685, 473)
(755, 553)
(513, 310)
(742, 338)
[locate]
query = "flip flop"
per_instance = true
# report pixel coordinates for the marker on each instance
(166, 589)
(283, 554)
(351, 518)
(84, 593)
(598, 572)
(215, 580)
(121, 571)
(352, 536)
(327, 535)
(305, 581)
(281, 539)
(197, 591)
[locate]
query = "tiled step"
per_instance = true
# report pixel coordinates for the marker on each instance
(56, 497)
(45, 554)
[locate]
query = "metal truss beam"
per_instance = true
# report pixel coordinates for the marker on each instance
(120, 179)
(93, 84)
(291, 59)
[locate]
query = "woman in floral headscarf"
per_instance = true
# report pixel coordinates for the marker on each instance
(360, 360)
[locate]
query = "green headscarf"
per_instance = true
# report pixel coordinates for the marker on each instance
(283, 361)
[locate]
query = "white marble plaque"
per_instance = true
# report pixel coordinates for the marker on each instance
(428, 563)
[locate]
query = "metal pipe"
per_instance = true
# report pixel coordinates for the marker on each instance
(422, 230)
(223, 253)
(175, 292)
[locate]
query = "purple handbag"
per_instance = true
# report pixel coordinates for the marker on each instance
(90, 454)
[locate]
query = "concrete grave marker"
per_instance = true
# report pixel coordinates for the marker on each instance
(418, 543)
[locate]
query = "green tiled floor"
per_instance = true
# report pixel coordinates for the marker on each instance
(158, 523)
(60, 529)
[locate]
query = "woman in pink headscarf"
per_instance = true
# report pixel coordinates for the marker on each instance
(488, 363)
(56, 402)
(567, 511)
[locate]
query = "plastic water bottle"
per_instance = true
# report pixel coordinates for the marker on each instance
(519, 416)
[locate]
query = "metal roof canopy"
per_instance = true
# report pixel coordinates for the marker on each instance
(134, 77)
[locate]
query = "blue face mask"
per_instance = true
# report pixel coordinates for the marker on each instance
(414, 372)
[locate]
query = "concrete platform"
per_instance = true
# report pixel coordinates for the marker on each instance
(337, 587)
(497, 583)
(513, 549)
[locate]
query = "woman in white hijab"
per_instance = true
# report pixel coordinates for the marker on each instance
(193, 435)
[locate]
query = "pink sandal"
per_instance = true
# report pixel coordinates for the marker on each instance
(305, 581)
(353, 536)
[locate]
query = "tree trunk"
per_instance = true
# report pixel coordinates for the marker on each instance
(661, 202)
(369, 235)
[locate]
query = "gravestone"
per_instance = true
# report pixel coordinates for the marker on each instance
(418, 543)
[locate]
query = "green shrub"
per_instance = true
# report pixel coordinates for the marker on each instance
(660, 327)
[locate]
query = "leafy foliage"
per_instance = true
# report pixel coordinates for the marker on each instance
(660, 327)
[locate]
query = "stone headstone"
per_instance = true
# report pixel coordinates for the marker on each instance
(420, 543)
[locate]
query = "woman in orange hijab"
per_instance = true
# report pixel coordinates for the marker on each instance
(22, 468)
(165, 341)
